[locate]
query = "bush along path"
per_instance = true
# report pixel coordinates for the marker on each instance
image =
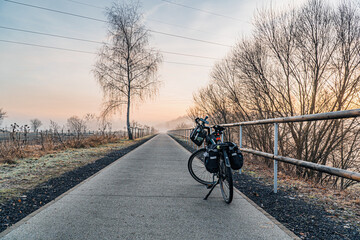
(16, 209)
(308, 220)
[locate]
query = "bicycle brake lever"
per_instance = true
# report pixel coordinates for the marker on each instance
(205, 120)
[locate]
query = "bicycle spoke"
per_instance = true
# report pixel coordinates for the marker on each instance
(197, 168)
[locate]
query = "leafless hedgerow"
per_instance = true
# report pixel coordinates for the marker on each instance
(47, 142)
(126, 67)
(19, 142)
(300, 61)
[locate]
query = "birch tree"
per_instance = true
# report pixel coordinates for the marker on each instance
(126, 67)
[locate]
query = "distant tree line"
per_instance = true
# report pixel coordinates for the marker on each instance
(75, 125)
(300, 61)
(19, 142)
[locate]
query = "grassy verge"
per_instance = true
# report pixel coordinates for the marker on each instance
(26, 173)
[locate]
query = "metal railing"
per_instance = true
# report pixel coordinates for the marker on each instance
(304, 118)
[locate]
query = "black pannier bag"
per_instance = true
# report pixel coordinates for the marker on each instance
(236, 157)
(198, 135)
(212, 160)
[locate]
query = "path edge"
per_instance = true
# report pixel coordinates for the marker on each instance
(25, 219)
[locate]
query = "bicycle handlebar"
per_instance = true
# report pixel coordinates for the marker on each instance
(202, 120)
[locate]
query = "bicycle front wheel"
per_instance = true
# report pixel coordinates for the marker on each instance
(197, 168)
(226, 181)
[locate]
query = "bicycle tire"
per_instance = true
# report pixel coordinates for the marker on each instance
(226, 181)
(197, 168)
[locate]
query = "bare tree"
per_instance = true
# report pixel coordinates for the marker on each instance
(76, 125)
(2, 115)
(127, 66)
(35, 124)
(346, 60)
(309, 65)
(54, 126)
(300, 61)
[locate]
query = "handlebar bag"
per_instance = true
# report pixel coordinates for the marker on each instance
(197, 135)
(236, 157)
(212, 160)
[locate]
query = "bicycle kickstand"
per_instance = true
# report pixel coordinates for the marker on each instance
(212, 188)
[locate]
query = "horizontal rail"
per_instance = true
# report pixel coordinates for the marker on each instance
(180, 129)
(302, 118)
(311, 117)
(321, 168)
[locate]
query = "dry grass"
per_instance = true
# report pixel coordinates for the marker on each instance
(39, 166)
(13, 151)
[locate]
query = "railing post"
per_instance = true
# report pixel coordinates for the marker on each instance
(188, 137)
(240, 142)
(193, 145)
(276, 138)
(240, 136)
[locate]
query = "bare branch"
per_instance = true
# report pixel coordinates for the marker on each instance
(126, 67)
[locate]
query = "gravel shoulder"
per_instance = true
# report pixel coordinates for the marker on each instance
(303, 212)
(33, 182)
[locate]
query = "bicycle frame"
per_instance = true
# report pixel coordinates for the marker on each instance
(224, 173)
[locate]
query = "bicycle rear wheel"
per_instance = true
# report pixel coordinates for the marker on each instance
(197, 168)
(226, 181)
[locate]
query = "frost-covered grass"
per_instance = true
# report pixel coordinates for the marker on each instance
(28, 172)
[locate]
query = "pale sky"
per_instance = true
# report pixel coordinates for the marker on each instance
(55, 84)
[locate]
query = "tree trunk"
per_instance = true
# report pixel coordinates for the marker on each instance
(128, 119)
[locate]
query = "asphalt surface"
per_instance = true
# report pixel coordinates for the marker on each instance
(147, 194)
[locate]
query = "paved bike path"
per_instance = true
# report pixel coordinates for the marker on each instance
(147, 194)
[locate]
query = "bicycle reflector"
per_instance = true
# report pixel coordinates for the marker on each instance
(218, 137)
(198, 135)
